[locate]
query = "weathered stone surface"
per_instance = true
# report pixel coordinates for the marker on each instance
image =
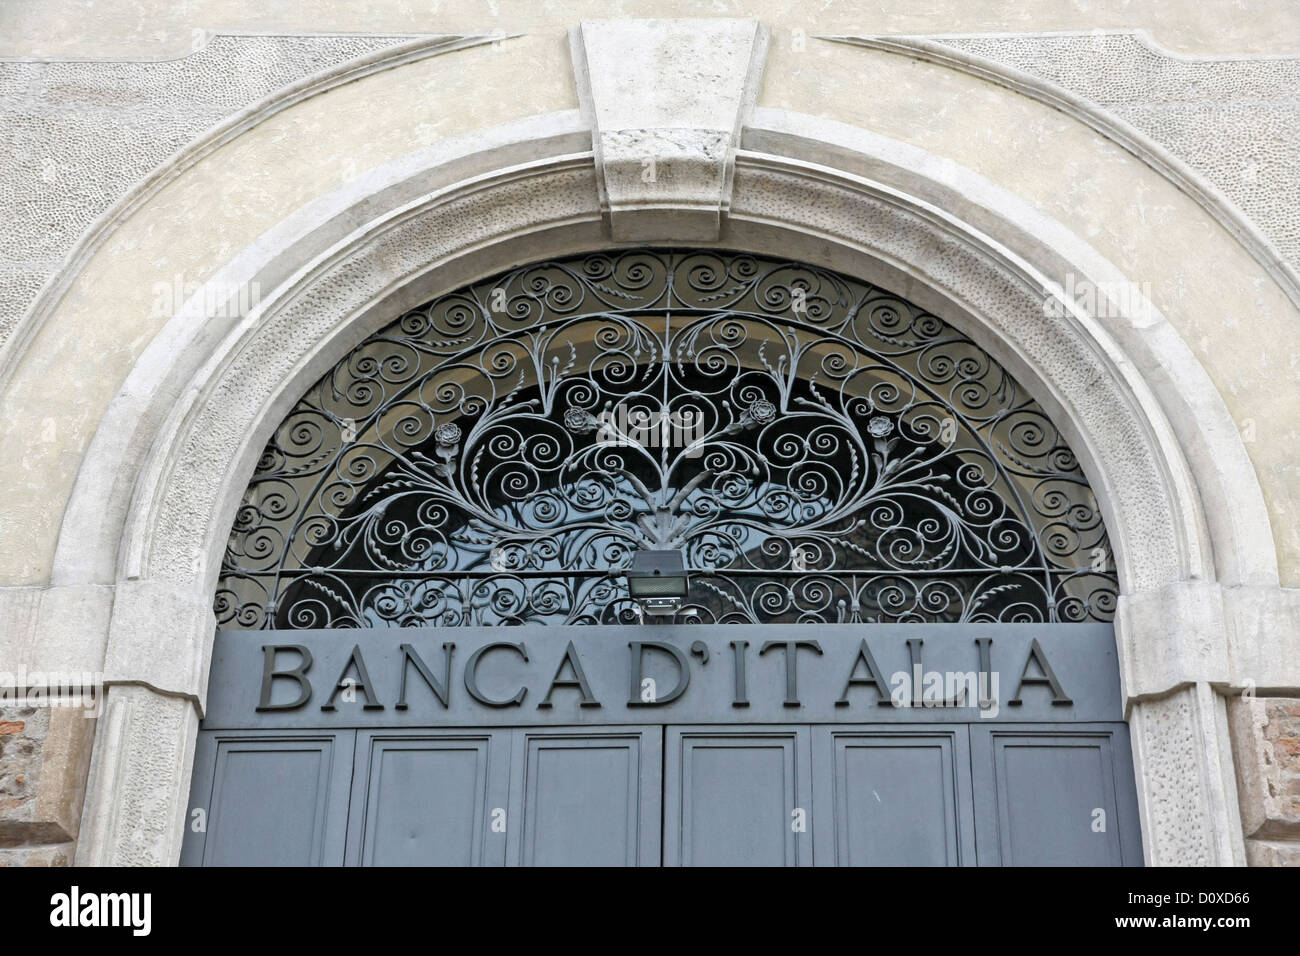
(44, 756)
(1266, 743)
(1215, 299)
(666, 100)
(1269, 853)
(71, 161)
(57, 855)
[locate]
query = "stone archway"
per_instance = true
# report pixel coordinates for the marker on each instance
(1152, 435)
(824, 457)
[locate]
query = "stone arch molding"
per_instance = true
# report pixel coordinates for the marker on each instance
(160, 484)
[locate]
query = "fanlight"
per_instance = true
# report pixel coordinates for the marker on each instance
(818, 449)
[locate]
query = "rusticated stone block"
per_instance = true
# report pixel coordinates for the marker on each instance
(1269, 853)
(59, 855)
(1266, 748)
(44, 756)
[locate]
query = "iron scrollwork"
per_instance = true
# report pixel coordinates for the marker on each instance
(819, 449)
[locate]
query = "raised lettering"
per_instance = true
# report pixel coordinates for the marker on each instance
(872, 678)
(579, 680)
(361, 684)
(638, 649)
(440, 688)
(471, 675)
(299, 673)
(791, 666)
(1048, 677)
(740, 696)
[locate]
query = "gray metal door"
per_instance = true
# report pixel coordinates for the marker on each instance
(893, 796)
(264, 798)
(734, 796)
(584, 797)
(551, 797)
(1055, 796)
(669, 745)
(427, 798)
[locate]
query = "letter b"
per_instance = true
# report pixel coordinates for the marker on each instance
(299, 674)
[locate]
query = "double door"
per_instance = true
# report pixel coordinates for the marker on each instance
(770, 795)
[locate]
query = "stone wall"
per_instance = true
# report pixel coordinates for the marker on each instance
(1266, 741)
(44, 757)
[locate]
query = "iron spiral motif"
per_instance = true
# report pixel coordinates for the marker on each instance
(819, 449)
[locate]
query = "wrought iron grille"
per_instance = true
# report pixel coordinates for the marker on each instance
(819, 450)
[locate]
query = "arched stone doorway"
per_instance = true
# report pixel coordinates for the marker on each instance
(162, 481)
(835, 465)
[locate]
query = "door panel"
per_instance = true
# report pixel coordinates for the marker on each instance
(893, 797)
(731, 796)
(586, 797)
(427, 799)
(1021, 794)
(270, 799)
(1055, 797)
